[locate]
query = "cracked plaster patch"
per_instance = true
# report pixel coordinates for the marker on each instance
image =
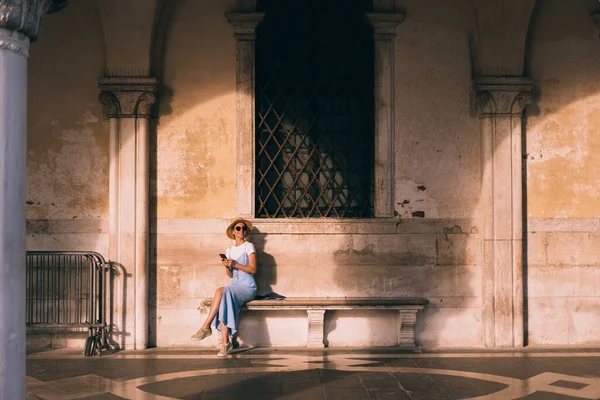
(412, 200)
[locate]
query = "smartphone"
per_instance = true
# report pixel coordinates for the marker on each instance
(223, 256)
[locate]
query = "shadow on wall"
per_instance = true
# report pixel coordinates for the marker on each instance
(266, 277)
(405, 264)
(116, 320)
(153, 240)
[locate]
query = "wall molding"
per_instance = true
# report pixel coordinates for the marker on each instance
(563, 225)
(287, 226)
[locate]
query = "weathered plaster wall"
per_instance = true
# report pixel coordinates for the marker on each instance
(322, 259)
(437, 139)
(196, 131)
(67, 149)
(563, 175)
(562, 129)
(437, 161)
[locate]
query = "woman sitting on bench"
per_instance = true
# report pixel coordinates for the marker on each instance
(240, 266)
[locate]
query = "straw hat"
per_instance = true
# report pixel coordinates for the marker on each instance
(234, 222)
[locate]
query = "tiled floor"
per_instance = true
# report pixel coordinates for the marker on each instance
(331, 374)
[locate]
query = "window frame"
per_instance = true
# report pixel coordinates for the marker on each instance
(245, 20)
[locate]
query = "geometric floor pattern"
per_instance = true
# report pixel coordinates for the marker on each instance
(329, 374)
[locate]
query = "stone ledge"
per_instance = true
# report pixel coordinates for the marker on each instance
(446, 226)
(564, 225)
(60, 226)
(324, 226)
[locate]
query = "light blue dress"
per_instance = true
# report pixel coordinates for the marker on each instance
(240, 290)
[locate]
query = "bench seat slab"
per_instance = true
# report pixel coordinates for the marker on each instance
(315, 307)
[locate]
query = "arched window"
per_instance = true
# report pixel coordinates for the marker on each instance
(314, 120)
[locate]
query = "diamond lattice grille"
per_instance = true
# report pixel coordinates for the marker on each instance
(314, 111)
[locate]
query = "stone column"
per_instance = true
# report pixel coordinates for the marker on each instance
(13, 135)
(19, 23)
(384, 33)
(502, 101)
(127, 102)
(245, 26)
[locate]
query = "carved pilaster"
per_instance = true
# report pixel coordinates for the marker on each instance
(127, 97)
(127, 104)
(245, 24)
(110, 104)
(485, 103)
(502, 101)
(245, 27)
(407, 320)
(384, 34)
(145, 103)
(503, 96)
(25, 16)
(316, 326)
(384, 24)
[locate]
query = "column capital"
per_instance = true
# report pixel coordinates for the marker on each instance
(503, 95)
(596, 18)
(26, 16)
(14, 41)
(127, 96)
(384, 23)
(245, 24)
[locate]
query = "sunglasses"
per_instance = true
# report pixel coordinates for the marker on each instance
(241, 228)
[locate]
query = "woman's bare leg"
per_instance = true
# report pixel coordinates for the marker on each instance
(224, 333)
(214, 308)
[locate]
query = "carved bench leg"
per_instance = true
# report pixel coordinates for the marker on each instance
(407, 320)
(316, 325)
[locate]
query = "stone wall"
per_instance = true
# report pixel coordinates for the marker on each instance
(433, 258)
(563, 176)
(67, 151)
(431, 248)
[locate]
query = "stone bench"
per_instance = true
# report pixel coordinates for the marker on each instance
(316, 306)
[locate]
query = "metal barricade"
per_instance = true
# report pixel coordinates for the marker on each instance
(67, 290)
